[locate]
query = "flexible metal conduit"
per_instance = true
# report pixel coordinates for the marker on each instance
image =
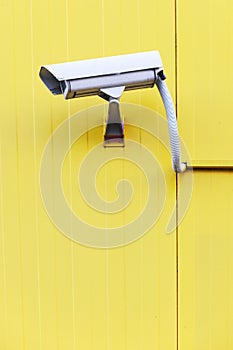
(178, 166)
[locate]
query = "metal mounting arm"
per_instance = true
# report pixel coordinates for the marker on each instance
(114, 132)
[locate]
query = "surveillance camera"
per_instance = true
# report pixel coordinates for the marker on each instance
(89, 77)
(109, 77)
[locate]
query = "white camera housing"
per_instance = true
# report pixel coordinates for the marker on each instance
(108, 77)
(89, 77)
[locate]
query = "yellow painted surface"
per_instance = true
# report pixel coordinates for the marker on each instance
(205, 79)
(58, 294)
(55, 293)
(206, 265)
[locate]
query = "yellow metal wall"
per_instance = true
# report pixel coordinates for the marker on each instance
(57, 294)
(204, 81)
(206, 264)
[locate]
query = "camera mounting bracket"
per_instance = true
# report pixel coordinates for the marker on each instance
(114, 131)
